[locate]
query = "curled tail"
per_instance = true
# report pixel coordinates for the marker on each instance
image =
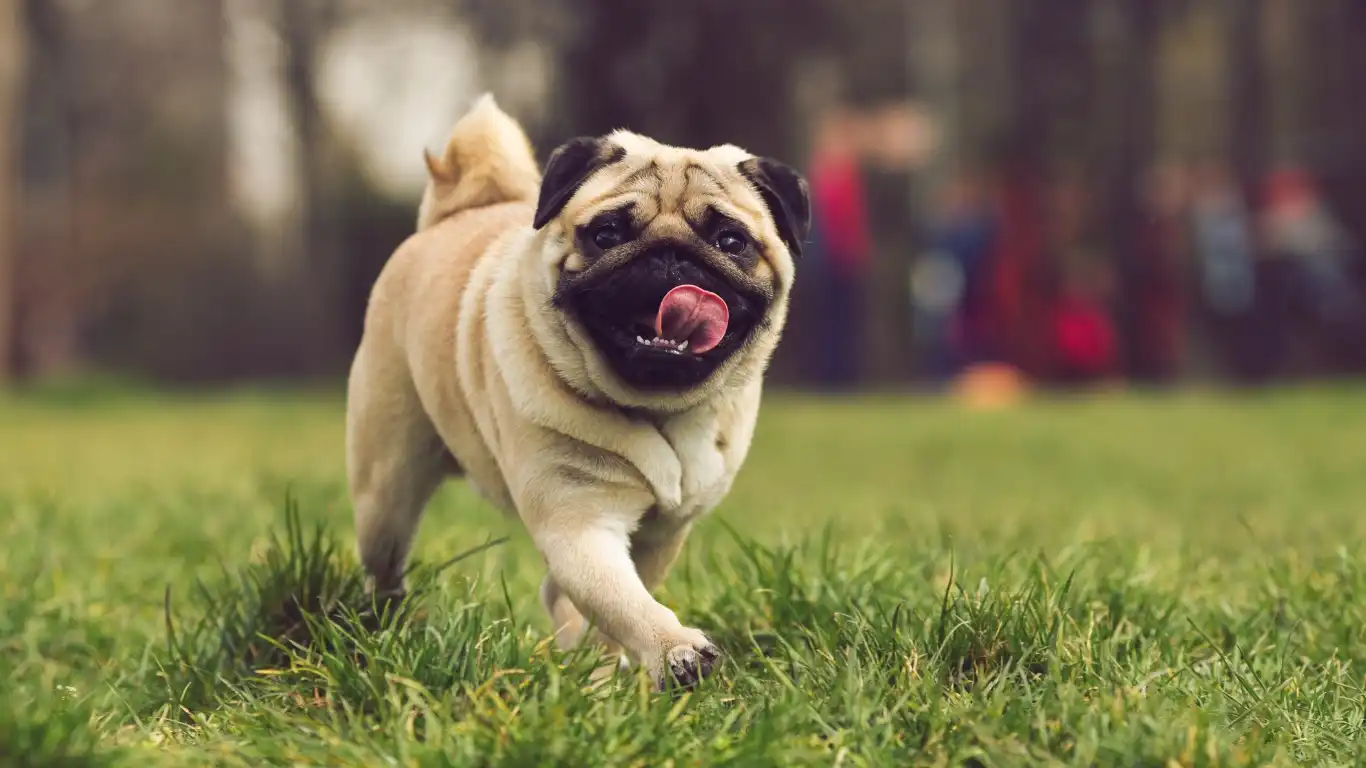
(487, 160)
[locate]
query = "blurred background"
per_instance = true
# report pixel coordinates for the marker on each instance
(1063, 192)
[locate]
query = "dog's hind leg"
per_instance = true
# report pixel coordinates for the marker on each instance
(395, 462)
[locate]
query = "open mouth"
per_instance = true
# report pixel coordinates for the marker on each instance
(690, 320)
(664, 322)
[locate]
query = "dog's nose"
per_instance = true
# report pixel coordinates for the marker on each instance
(676, 262)
(669, 260)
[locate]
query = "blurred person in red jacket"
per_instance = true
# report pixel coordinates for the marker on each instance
(1083, 330)
(842, 245)
(1304, 278)
(1157, 278)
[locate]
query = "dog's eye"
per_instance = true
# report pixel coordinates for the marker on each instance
(608, 236)
(732, 242)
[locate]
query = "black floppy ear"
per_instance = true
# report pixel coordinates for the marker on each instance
(785, 193)
(568, 168)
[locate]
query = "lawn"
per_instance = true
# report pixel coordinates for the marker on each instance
(1119, 580)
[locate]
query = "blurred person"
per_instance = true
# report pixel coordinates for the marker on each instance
(1083, 330)
(1305, 271)
(1017, 329)
(842, 245)
(1159, 308)
(937, 285)
(899, 137)
(1225, 253)
(1223, 242)
(951, 285)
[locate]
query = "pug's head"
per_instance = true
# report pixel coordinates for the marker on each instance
(669, 268)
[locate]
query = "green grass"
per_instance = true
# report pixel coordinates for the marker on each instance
(1116, 581)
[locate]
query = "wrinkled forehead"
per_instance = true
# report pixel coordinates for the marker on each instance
(654, 180)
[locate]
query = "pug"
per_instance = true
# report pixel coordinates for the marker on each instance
(586, 346)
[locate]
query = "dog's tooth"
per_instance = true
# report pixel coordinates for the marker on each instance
(642, 340)
(683, 346)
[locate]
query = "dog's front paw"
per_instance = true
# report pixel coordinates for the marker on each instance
(687, 664)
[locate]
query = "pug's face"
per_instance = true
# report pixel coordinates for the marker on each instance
(670, 266)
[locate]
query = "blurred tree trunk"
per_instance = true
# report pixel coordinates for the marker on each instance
(1052, 90)
(125, 181)
(1133, 153)
(304, 25)
(1334, 84)
(935, 72)
(1351, 34)
(875, 39)
(12, 52)
(1247, 88)
(56, 117)
(675, 72)
(1289, 82)
(934, 66)
(1046, 142)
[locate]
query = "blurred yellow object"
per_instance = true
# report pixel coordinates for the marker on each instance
(990, 386)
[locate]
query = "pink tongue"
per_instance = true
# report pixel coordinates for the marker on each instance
(691, 314)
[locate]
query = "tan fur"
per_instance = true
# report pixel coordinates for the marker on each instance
(487, 160)
(464, 356)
